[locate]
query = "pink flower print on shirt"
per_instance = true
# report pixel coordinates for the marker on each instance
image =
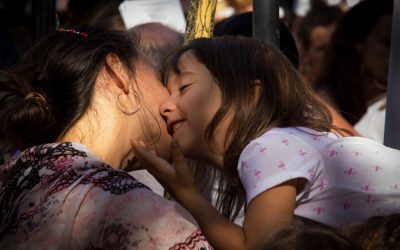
(281, 165)
(316, 138)
(357, 154)
(332, 153)
(312, 173)
(302, 153)
(285, 141)
(368, 199)
(63, 163)
(322, 184)
(377, 168)
(366, 188)
(319, 210)
(257, 173)
(262, 149)
(244, 164)
(346, 205)
(349, 171)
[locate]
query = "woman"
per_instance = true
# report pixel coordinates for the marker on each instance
(72, 106)
(355, 71)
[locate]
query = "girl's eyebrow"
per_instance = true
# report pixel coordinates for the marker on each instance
(186, 72)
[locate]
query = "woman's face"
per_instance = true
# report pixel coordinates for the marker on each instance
(320, 37)
(195, 99)
(153, 94)
(376, 49)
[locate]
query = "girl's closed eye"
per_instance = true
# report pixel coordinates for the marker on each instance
(184, 87)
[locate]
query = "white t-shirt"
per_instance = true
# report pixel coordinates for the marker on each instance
(372, 124)
(349, 179)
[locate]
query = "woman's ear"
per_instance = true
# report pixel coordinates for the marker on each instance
(118, 72)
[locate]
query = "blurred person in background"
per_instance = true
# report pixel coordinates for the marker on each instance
(157, 41)
(355, 72)
(314, 36)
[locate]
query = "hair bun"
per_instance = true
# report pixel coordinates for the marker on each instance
(38, 98)
(27, 120)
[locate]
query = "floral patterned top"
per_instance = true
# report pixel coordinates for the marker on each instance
(62, 196)
(348, 179)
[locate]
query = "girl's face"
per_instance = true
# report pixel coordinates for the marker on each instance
(195, 99)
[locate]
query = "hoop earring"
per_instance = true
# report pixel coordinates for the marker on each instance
(128, 112)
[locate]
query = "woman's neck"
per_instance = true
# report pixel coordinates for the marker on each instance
(106, 140)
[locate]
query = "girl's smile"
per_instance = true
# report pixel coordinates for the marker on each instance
(174, 126)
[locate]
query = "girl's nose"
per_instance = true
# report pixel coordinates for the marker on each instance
(167, 107)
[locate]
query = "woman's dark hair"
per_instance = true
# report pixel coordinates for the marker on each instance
(285, 100)
(51, 88)
(94, 13)
(342, 76)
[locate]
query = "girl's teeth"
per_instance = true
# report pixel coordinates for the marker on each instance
(177, 125)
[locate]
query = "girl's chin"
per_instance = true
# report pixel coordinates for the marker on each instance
(184, 147)
(163, 150)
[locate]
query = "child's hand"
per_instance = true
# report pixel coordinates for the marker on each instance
(177, 178)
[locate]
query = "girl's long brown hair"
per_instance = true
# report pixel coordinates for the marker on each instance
(285, 101)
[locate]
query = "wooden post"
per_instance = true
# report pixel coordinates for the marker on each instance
(200, 20)
(392, 120)
(266, 21)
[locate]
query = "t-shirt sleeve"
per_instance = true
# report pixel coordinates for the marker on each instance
(274, 158)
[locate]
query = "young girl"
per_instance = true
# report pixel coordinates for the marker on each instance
(239, 105)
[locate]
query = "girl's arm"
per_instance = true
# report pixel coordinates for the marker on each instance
(266, 214)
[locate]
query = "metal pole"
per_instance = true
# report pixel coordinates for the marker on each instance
(266, 20)
(44, 15)
(392, 120)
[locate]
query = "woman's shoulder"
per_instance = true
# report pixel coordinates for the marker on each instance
(120, 201)
(93, 202)
(142, 217)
